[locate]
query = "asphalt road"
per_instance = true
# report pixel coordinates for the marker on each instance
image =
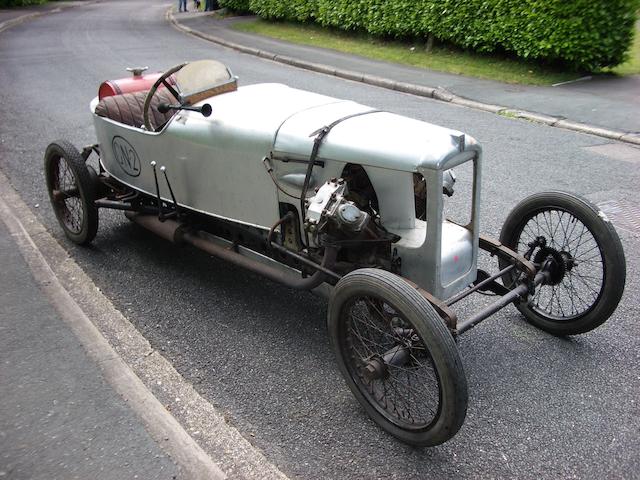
(540, 407)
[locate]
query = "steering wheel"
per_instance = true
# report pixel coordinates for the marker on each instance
(152, 91)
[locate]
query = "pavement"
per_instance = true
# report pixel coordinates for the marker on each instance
(59, 418)
(71, 406)
(10, 17)
(604, 105)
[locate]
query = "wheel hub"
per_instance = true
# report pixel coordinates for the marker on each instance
(378, 366)
(375, 369)
(555, 263)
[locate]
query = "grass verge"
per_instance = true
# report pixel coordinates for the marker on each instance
(441, 58)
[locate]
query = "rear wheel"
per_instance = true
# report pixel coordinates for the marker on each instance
(71, 191)
(590, 272)
(397, 357)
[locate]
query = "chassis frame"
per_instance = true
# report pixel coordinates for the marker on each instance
(179, 231)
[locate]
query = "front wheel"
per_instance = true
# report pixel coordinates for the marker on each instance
(397, 357)
(589, 279)
(72, 191)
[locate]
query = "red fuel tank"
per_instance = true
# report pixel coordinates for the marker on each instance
(135, 83)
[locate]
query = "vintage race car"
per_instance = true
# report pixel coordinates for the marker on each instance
(329, 195)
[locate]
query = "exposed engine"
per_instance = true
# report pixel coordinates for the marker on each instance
(338, 217)
(330, 212)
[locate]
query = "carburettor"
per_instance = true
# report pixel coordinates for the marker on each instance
(328, 211)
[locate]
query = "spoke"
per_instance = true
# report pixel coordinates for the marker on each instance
(574, 310)
(369, 325)
(428, 379)
(550, 302)
(367, 354)
(596, 246)
(536, 297)
(555, 230)
(556, 290)
(593, 260)
(589, 277)
(564, 231)
(585, 283)
(548, 225)
(394, 336)
(403, 402)
(410, 392)
(532, 234)
(366, 342)
(574, 222)
(397, 385)
(576, 294)
(580, 242)
(420, 391)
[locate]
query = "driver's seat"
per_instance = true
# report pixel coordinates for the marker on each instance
(128, 108)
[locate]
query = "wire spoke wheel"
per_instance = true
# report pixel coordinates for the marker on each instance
(590, 267)
(583, 281)
(71, 191)
(397, 357)
(67, 199)
(405, 387)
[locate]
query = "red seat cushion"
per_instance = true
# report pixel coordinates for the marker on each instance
(127, 108)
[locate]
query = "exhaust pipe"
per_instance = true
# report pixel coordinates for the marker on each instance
(176, 233)
(169, 229)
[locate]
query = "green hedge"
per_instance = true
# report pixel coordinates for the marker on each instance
(236, 5)
(583, 34)
(19, 3)
(297, 10)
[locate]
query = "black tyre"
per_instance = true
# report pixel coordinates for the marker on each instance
(71, 191)
(592, 271)
(397, 357)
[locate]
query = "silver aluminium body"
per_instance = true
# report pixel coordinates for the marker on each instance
(215, 166)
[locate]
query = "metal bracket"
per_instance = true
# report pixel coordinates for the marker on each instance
(317, 163)
(494, 247)
(86, 151)
(449, 316)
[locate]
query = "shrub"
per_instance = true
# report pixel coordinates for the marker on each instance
(241, 6)
(19, 3)
(582, 34)
(296, 10)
